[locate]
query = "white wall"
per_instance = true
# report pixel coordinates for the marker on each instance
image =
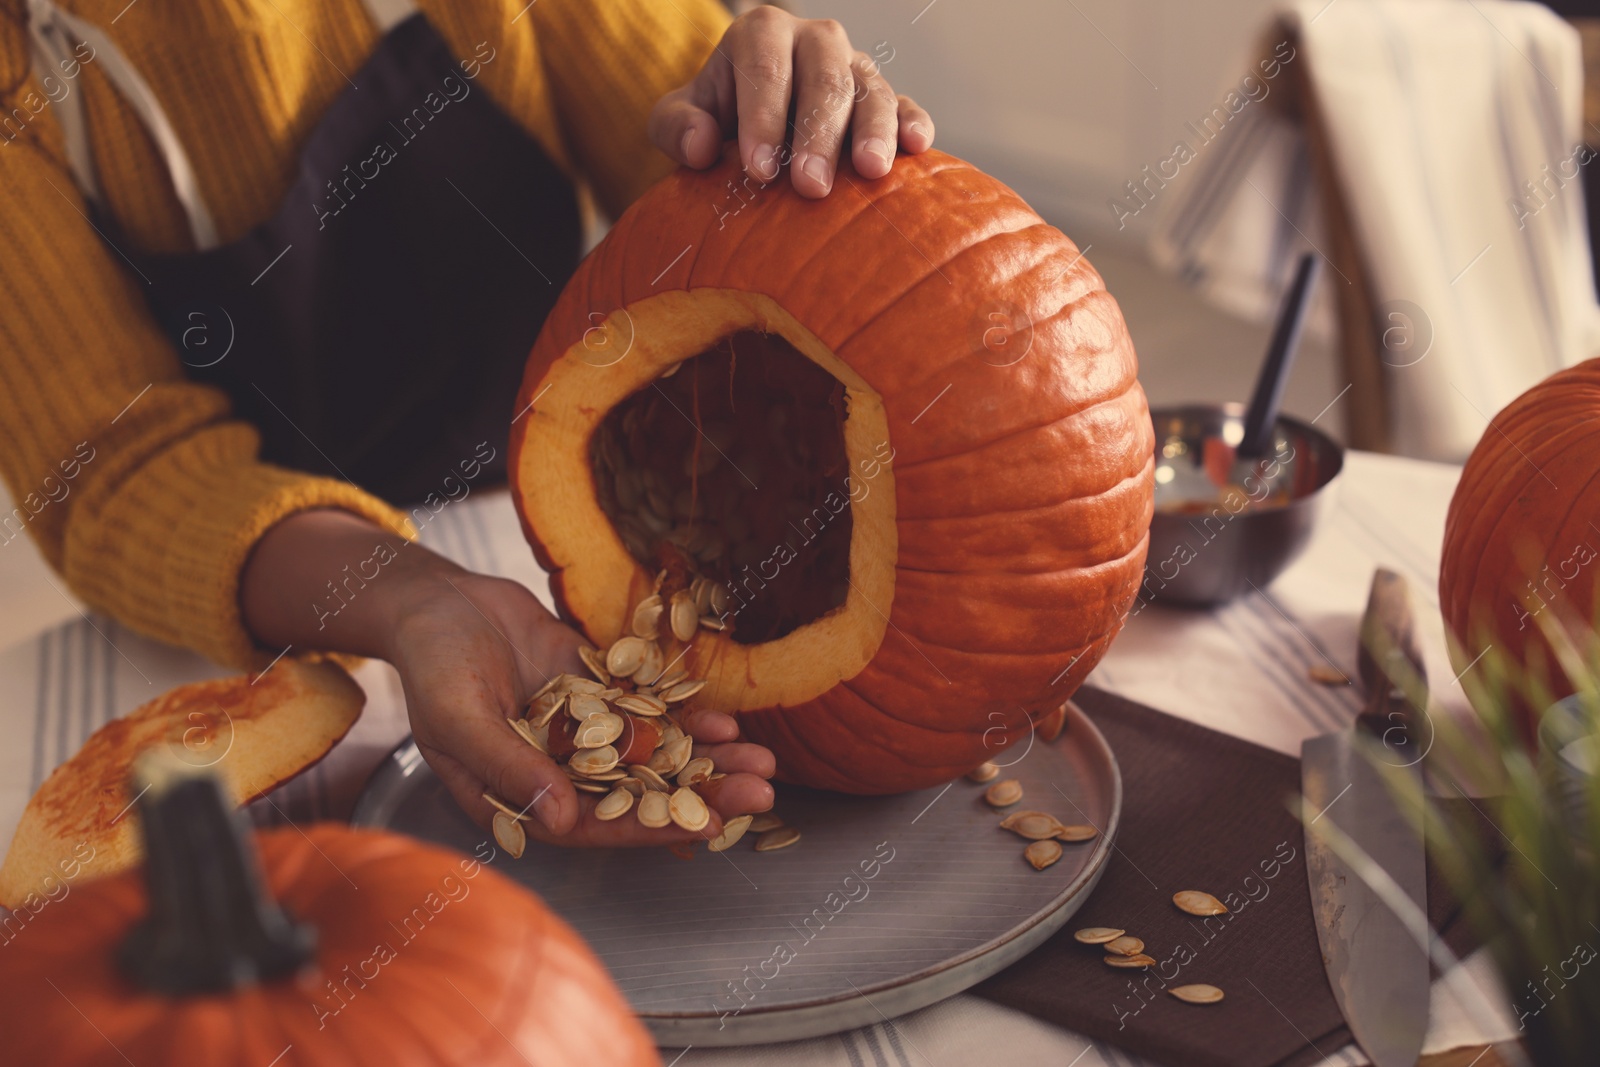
(1065, 100)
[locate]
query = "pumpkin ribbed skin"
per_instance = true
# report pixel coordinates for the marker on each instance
(1022, 482)
(535, 983)
(1522, 521)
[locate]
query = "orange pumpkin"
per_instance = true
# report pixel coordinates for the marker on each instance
(900, 426)
(1521, 547)
(414, 957)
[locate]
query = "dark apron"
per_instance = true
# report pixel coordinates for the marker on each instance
(380, 319)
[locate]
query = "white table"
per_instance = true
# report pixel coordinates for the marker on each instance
(1241, 669)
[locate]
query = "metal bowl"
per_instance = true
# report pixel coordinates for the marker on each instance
(1210, 543)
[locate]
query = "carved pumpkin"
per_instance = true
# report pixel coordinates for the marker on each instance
(390, 954)
(900, 426)
(1520, 542)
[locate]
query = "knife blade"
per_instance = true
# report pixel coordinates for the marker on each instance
(1378, 972)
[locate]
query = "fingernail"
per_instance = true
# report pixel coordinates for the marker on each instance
(917, 127)
(687, 145)
(877, 147)
(547, 808)
(816, 168)
(764, 161)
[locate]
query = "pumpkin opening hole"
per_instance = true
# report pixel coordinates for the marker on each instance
(734, 466)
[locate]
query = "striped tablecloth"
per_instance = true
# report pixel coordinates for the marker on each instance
(1241, 669)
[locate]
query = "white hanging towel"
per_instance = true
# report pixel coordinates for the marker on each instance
(1456, 135)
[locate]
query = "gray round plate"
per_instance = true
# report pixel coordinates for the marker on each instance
(886, 905)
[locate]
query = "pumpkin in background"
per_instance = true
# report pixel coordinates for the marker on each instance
(1521, 547)
(900, 426)
(390, 954)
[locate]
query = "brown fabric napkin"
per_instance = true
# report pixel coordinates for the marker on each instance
(1200, 810)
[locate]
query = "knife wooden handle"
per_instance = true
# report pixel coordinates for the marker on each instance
(1391, 667)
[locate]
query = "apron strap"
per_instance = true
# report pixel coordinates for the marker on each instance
(53, 31)
(54, 23)
(52, 54)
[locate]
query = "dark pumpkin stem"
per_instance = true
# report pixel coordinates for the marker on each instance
(212, 925)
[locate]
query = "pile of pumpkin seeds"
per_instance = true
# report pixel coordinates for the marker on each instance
(618, 733)
(1043, 830)
(1124, 951)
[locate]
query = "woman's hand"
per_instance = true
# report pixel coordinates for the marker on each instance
(470, 650)
(768, 61)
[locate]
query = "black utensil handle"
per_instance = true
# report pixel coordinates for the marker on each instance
(1262, 414)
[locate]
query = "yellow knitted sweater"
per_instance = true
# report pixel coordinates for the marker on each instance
(138, 486)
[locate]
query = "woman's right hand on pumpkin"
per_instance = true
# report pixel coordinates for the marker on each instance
(470, 649)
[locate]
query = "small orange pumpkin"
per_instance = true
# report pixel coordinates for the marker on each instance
(900, 426)
(391, 954)
(1521, 543)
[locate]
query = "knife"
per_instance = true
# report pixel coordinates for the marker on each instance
(1378, 971)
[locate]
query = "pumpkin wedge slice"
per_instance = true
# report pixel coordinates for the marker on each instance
(257, 730)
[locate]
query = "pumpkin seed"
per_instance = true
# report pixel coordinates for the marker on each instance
(684, 618)
(772, 840)
(651, 669)
(582, 706)
(588, 686)
(508, 833)
(719, 599)
(504, 807)
(632, 785)
(670, 732)
(650, 778)
(1323, 674)
(596, 664)
(616, 804)
(671, 678)
(712, 623)
(683, 691)
(1003, 794)
(1097, 935)
(1077, 832)
(640, 704)
(1034, 825)
(671, 758)
(598, 730)
(590, 787)
(594, 760)
(1140, 961)
(764, 821)
(626, 656)
(732, 830)
(1198, 993)
(538, 738)
(700, 591)
(615, 774)
(688, 810)
(1126, 945)
(661, 577)
(696, 771)
(1197, 903)
(1042, 853)
(983, 772)
(655, 811)
(646, 622)
(542, 710)
(548, 686)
